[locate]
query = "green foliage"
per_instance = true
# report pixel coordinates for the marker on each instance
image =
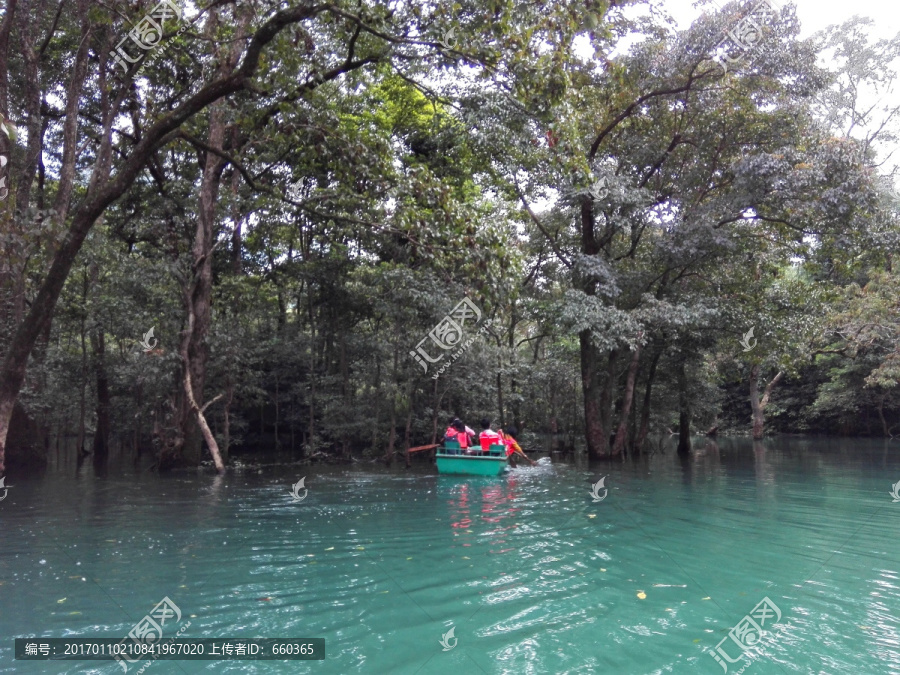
(378, 177)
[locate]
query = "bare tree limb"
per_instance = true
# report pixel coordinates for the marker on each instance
(210, 402)
(540, 225)
(768, 391)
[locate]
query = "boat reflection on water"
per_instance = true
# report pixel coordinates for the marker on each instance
(497, 507)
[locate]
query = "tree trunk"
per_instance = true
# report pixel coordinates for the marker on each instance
(102, 192)
(13, 244)
(606, 398)
(27, 437)
(311, 423)
(82, 408)
(347, 389)
(684, 414)
(435, 412)
(189, 393)
(206, 232)
(28, 29)
(313, 368)
(277, 413)
(138, 419)
(229, 392)
(757, 412)
(644, 429)
(101, 435)
(204, 427)
(500, 390)
(595, 434)
(69, 165)
(408, 427)
(236, 217)
(513, 368)
(595, 429)
(619, 443)
(758, 406)
(9, 15)
(389, 453)
(201, 298)
(378, 400)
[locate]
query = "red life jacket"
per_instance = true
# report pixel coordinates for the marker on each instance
(487, 438)
(460, 436)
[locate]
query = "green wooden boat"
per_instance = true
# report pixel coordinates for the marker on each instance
(450, 461)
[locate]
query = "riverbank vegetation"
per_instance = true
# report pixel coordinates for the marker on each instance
(293, 196)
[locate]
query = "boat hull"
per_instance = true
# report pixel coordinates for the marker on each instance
(470, 465)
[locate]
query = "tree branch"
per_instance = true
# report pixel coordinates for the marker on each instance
(768, 390)
(210, 402)
(595, 146)
(541, 227)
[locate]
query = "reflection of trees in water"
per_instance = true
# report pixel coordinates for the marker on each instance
(765, 472)
(711, 461)
(707, 459)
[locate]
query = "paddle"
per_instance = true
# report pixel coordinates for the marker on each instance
(520, 452)
(420, 448)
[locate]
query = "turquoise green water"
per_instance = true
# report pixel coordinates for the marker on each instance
(530, 572)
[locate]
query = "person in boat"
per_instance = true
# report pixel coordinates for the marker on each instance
(469, 433)
(459, 432)
(488, 436)
(513, 451)
(450, 434)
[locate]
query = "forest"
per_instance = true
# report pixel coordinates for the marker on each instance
(327, 228)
